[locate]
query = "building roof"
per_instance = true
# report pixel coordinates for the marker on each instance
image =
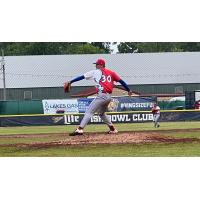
(136, 68)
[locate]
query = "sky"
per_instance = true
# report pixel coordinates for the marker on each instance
(114, 48)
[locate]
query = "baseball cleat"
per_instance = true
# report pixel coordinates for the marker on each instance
(77, 132)
(113, 132)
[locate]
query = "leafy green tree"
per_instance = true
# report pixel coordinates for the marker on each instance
(59, 48)
(143, 47)
(103, 45)
(127, 47)
(52, 48)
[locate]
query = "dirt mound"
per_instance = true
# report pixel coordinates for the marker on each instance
(99, 138)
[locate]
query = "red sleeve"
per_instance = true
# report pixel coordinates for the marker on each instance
(115, 77)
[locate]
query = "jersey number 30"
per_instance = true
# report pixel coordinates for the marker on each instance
(106, 78)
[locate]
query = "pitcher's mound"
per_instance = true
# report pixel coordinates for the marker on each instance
(100, 138)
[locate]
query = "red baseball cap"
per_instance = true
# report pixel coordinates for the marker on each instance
(100, 61)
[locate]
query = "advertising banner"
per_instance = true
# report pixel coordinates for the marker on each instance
(75, 119)
(115, 118)
(53, 106)
(117, 104)
(72, 119)
(83, 104)
(120, 104)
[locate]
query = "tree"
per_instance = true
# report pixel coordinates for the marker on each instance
(103, 45)
(127, 47)
(52, 48)
(59, 48)
(143, 47)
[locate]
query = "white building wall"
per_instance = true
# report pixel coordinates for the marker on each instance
(136, 68)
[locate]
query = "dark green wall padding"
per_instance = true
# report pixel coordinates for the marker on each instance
(21, 107)
(173, 105)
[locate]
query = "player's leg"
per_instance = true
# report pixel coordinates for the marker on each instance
(106, 119)
(87, 116)
(157, 120)
(154, 120)
(94, 106)
(157, 116)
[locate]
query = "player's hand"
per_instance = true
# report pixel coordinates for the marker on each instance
(67, 87)
(130, 93)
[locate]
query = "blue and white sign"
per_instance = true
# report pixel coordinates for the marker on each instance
(134, 103)
(120, 104)
(83, 104)
(53, 106)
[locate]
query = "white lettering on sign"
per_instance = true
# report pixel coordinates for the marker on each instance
(142, 117)
(71, 119)
(120, 118)
(96, 119)
(53, 106)
(139, 117)
(113, 118)
(135, 105)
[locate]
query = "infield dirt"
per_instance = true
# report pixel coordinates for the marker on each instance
(63, 139)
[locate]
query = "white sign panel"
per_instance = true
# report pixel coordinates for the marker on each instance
(197, 95)
(54, 106)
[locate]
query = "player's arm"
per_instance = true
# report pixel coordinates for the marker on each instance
(79, 78)
(87, 75)
(123, 83)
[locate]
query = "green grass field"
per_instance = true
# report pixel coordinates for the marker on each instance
(101, 150)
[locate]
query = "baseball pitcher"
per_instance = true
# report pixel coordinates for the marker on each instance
(104, 80)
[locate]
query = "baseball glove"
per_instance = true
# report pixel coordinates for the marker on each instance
(67, 87)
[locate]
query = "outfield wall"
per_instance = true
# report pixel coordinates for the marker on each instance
(36, 106)
(117, 117)
(21, 107)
